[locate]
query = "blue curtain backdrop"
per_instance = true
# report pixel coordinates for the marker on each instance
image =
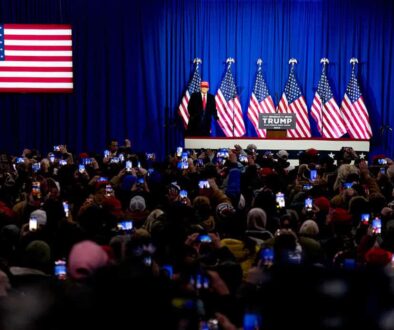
(132, 61)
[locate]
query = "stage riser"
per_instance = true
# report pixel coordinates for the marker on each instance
(293, 146)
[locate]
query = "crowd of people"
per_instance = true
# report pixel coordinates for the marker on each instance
(229, 239)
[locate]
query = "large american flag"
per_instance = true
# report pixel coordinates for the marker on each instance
(36, 58)
(229, 109)
(193, 86)
(260, 102)
(325, 111)
(355, 112)
(292, 101)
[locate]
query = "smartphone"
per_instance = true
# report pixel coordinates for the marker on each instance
(150, 155)
(204, 238)
(109, 190)
(147, 261)
(19, 160)
(56, 148)
(139, 164)
(36, 167)
(62, 162)
(125, 225)
(313, 175)
(222, 153)
(66, 209)
(199, 281)
(81, 168)
(307, 186)
(204, 184)
(280, 200)
(252, 321)
(60, 269)
(199, 162)
(140, 180)
(87, 161)
(382, 161)
(267, 256)
(184, 156)
(349, 263)
(102, 179)
(128, 166)
(243, 158)
(114, 160)
(33, 223)
(377, 225)
(347, 185)
(183, 193)
(365, 218)
(179, 151)
(121, 157)
(168, 270)
(308, 204)
(382, 170)
(35, 189)
(106, 153)
(183, 165)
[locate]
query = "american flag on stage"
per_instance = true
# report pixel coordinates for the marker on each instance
(292, 101)
(36, 58)
(193, 86)
(325, 110)
(355, 112)
(260, 102)
(229, 109)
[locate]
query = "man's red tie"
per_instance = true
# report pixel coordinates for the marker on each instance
(204, 101)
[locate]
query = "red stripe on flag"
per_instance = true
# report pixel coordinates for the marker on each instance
(36, 79)
(38, 48)
(35, 69)
(38, 26)
(36, 90)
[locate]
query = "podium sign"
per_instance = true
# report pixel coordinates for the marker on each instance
(277, 121)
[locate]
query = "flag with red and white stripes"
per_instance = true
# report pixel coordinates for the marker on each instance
(229, 108)
(325, 111)
(355, 112)
(292, 101)
(260, 102)
(193, 87)
(36, 58)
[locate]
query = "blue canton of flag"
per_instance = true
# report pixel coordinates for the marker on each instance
(194, 85)
(260, 88)
(352, 89)
(292, 90)
(228, 88)
(2, 42)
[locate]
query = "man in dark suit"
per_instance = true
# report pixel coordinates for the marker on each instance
(201, 108)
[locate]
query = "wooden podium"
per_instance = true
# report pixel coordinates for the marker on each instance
(276, 133)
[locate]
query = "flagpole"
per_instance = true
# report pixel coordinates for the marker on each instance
(323, 61)
(230, 61)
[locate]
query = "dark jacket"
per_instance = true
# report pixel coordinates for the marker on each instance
(200, 119)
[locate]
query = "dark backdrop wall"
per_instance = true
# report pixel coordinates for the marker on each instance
(132, 61)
